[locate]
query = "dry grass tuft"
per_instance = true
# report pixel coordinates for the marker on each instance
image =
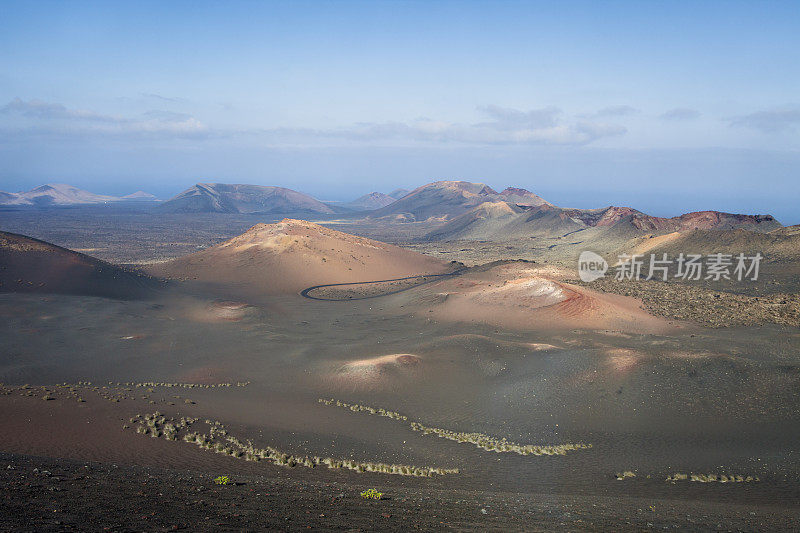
(713, 478)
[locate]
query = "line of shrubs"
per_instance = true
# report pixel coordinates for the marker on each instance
(482, 441)
(220, 441)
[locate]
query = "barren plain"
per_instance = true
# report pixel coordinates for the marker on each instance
(487, 390)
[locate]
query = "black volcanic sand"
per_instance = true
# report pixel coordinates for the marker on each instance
(40, 494)
(706, 401)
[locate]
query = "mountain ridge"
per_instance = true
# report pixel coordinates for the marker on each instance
(443, 200)
(242, 198)
(368, 202)
(495, 221)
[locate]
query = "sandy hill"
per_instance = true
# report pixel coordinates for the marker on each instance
(236, 198)
(31, 265)
(448, 199)
(294, 254)
(505, 221)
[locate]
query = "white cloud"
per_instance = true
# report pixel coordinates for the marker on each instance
(510, 119)
(680, 113)
(155, 96)
(616, 111)
(770, 121)
(506, 126)
(53, 119)
(44, 110)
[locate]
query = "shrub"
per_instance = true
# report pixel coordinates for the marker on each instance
(372, 494)
(222, 480)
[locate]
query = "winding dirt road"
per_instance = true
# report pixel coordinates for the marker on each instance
(306, 292)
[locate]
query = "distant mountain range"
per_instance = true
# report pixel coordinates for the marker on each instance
(442, 200)
(59, 194)
(506, 220)
(237, 198)
(368, 202)
(371, 201)
(454, 209)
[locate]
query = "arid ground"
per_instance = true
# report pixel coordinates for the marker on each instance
(488, 390)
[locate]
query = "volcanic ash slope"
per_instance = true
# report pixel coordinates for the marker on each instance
(31, 265)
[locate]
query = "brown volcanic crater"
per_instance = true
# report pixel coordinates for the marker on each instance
(291, 255)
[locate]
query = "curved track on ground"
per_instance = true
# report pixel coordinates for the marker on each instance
(305, 293)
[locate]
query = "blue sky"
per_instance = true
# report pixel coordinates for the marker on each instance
(664, 106)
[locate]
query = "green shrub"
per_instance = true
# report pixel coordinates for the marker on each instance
(372, 494)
